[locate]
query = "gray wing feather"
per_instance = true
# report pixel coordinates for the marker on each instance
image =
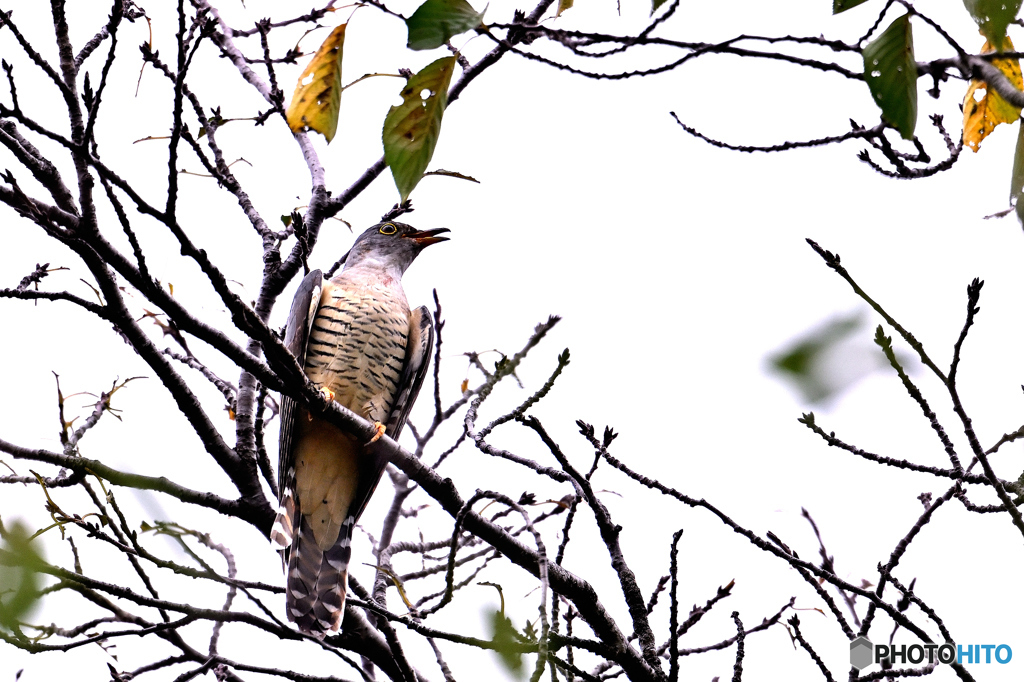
(296, 338)
(417, 358)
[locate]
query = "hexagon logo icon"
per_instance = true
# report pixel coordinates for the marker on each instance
(861, 653)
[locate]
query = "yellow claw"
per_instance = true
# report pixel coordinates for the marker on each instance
(327, 393)
(380, 429)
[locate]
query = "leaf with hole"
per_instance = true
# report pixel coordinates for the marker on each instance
(317, 99)
(891, 73)
(435, 22)
(411, 128)
(983, 108)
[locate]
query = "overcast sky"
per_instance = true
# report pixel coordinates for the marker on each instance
(677, 268)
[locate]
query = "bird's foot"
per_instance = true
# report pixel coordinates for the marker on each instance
(380, 429)
(328, 394)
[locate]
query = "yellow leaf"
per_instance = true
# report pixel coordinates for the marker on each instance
(317, 98)
(984, 109)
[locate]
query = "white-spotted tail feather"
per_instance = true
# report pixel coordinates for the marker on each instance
(283, 531)
(318, 580)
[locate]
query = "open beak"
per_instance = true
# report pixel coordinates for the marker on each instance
(427, 237)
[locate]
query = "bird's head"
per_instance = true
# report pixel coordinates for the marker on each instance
(391, 245)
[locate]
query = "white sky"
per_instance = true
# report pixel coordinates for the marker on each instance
(677, 268)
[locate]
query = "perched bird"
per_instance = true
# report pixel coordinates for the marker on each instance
(356, 338)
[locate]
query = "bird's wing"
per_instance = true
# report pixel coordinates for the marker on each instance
(418, 347)
(296, 338)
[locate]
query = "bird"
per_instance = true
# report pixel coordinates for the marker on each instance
(358, 341)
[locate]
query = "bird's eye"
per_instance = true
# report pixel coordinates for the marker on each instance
(388, 228)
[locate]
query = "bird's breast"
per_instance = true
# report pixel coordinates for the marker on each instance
(357, 345)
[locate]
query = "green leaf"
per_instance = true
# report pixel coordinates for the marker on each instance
(567, 4)
(19, 584)
(436, 21)
(506, 643)
(1017, 178)
(891, 73)
(843, 5)
(411, 129)
(655, 4)
(993, 16)
(809, 362)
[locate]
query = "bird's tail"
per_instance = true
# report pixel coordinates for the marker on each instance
(317, 579)
(283, 532)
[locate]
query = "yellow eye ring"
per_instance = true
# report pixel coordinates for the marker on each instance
(388, 228)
